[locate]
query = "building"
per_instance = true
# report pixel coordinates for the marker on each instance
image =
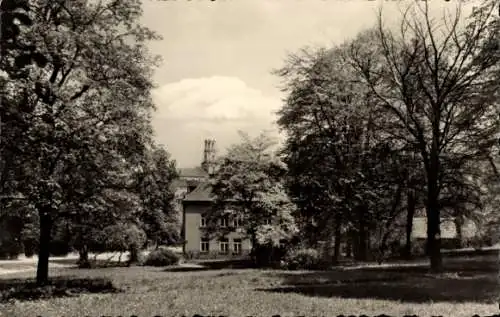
(193, 200)
(197, 242)
(191, 177)
(448, 228)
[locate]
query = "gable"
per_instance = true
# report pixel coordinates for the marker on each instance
(202, 193)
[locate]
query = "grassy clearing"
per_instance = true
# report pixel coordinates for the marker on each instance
(468, 287)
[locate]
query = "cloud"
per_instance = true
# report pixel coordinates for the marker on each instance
(215, 99)
(213, 107)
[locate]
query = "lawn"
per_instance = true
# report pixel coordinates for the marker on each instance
(468, 287)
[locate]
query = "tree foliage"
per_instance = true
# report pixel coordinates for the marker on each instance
(370, 120)
(247, 188)
(79, 124)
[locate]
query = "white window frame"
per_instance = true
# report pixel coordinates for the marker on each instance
(239, 243)
(224, 222)
(226, 243)
(237, 222)
(203, 221)
(204, 241)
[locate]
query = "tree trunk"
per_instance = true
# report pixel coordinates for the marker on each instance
(337, 241)
(42, 273)
(458, 227)
(134, 255)
(253, 240)
(432, 167)
(409, 222)
(355, 244)
(433, 227)
(349, 245)
(83, 261)
(362, 236)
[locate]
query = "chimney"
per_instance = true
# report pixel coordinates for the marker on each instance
(208, 156)
(205, 151)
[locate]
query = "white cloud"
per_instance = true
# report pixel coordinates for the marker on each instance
(217, 107)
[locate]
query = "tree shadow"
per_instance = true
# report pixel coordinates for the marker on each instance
(94, 264)
(463, 280)
(67, 286)
(215, 265)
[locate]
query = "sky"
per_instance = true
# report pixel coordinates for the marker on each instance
(215, 78)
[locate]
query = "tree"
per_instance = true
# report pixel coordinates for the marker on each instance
(159, 217)
(435, 83)
(343, 169)
(247, 188)
(14, 17)
(97, 75)
(124, 237)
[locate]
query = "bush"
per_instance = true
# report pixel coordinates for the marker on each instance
(29, 248)
(477, 242)
(10, 250)
(450, 243)
(305, 259)
(122, 237)
(59, 248)
(161, 257)
(267, 255)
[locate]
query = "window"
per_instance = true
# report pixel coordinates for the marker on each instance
(204, 245)
(267, 221)
(224, 246)
(223, 222)
(237, 246)
(237, 222)
(203, 221)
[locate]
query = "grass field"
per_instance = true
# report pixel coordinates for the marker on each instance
(468, 287)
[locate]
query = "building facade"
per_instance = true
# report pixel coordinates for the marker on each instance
(193, 200)
(230, 241)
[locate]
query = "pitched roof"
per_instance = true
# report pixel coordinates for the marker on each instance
(178, 183)
(192, 172)
(201, 193)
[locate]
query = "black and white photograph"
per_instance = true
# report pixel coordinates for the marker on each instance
(249, 158)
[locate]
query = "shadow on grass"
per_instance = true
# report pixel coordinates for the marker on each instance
(95, 264)
(26, 289)
(463, 280)
(215, 265)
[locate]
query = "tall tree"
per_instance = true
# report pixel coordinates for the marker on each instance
(158, 216)
(339, 162)
(98, 73)
(435, 83)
